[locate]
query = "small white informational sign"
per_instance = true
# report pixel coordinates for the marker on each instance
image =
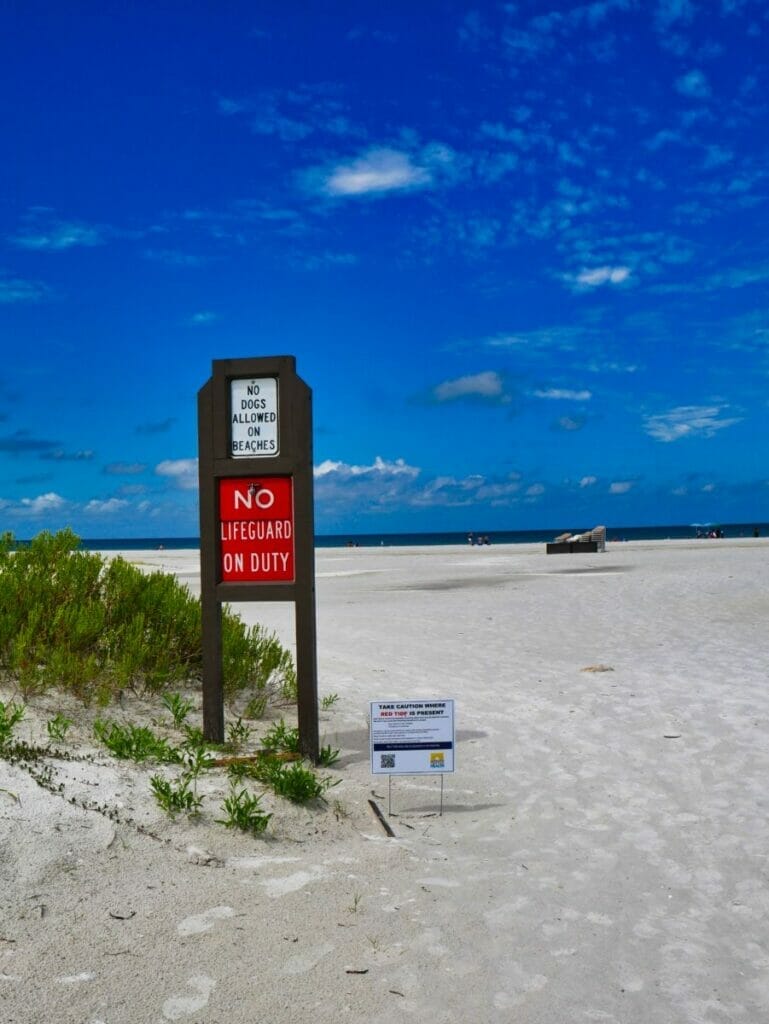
(412, 737)
(254, 417)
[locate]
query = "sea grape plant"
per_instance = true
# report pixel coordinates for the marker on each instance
(72, 619)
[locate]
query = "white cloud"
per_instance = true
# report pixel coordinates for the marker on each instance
(535, 491)
(364, 490)
(382, 170)
(620, 486)
(597, 276)
(564, 393)
(693, 84)
(50, 502)
(379, 467)
(487, 384)
(105, 508)
(688, 421)
(342, 488)
(588, 481)
(184, 472)
(377, 171)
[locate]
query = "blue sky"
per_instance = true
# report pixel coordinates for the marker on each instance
(519, 251)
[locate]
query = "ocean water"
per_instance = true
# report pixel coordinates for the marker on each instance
(371, 540)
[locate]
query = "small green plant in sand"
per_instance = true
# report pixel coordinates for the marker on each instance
(356, 901)
(177, 707)
(329, 701)
(238, 734)
(243, 811)
(327, 756)
(238, 771)
(134, 742)
(196, 758)
(294, 781)
(289, 690)
(281, 738)
(58, 727)
(193, 736)
(176, 798)
(10, 716)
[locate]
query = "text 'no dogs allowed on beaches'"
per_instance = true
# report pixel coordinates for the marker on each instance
(254, 418)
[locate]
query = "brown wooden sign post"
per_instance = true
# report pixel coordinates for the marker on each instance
(256, 517)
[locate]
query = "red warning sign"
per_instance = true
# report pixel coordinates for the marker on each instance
(257, 529)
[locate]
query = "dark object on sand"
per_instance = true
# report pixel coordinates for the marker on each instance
(569, 544)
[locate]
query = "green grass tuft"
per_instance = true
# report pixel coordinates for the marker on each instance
(243, 811)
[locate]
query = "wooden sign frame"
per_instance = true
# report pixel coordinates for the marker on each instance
(216, 461)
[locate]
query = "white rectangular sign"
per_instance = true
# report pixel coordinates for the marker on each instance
(254, 418)
(412, 737)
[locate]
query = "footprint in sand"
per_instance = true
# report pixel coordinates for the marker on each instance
(182, 1006)
(292, 883)
(203, 922)
(306, 961)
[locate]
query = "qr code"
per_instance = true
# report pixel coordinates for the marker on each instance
(387, 761)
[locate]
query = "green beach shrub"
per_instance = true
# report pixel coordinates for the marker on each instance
(134, 742)
(72, 619)
(295, 781)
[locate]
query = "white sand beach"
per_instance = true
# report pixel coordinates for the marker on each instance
(601, 856)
